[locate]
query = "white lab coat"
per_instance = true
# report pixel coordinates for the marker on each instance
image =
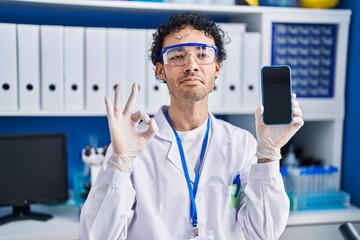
(153, 203)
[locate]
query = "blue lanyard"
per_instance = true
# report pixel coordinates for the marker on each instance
(192, 192)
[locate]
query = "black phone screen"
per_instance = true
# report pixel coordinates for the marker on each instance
(276, 87)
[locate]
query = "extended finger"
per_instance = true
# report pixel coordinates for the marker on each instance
(117, 100)
(293, 96)
(109, 107)
(258, 118)
(109, 111)
(132, 99)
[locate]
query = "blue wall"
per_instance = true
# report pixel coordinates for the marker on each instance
(351, 159)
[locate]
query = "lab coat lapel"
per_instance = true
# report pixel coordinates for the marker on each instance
(174, 157)
(166, 132)
(215, 156)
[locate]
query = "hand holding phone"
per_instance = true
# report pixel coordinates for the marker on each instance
(281, 116)
(276, 94)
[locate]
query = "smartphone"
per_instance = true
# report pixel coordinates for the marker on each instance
(276, 94)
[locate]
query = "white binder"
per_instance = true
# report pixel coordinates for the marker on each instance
(216, 97)
(95, 64)
(52, 68)
(117, 65)
(137, 59)
(157, 91)
(74, 68)
(251, 89)
(8, 67)
(233, 67)
(29, 66)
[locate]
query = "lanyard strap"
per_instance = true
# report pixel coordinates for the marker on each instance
(192, 191)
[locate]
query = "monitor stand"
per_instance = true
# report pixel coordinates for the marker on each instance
(24, 213)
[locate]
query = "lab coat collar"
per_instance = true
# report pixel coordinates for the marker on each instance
(214, 157)
(165, 130)
(166, 133)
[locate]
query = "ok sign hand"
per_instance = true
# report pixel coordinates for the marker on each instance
(125, 137)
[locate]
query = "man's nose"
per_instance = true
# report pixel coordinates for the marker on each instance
(191, 64)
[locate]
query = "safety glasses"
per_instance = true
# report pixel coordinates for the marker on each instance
(177, 55)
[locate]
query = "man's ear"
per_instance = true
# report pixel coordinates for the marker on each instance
(217, 69)
(159, 70)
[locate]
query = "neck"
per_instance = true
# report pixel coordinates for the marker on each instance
(188, 116)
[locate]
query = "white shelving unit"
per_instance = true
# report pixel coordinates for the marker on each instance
(322, 133)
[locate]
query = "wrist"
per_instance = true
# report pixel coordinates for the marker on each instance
(264, 160)
(121, 162)
(265, 150)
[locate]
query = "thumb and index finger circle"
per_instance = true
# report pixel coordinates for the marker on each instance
(152, 129)
(152, 126)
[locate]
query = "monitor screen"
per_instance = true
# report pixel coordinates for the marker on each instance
(33, 169)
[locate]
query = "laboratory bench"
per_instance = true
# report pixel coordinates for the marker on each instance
(63, 226)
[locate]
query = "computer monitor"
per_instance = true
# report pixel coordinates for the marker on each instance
(33, 169)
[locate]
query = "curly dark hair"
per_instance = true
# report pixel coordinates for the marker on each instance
(178, 22)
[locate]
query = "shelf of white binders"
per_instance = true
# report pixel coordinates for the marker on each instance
(313, 188)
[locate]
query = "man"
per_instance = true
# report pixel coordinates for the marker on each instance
(196, 177)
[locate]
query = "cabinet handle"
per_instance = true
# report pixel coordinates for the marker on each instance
(52, 87)
(6, 86)
(74, 87)
(29, 87)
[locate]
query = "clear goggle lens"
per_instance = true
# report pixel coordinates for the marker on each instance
(177, 55)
